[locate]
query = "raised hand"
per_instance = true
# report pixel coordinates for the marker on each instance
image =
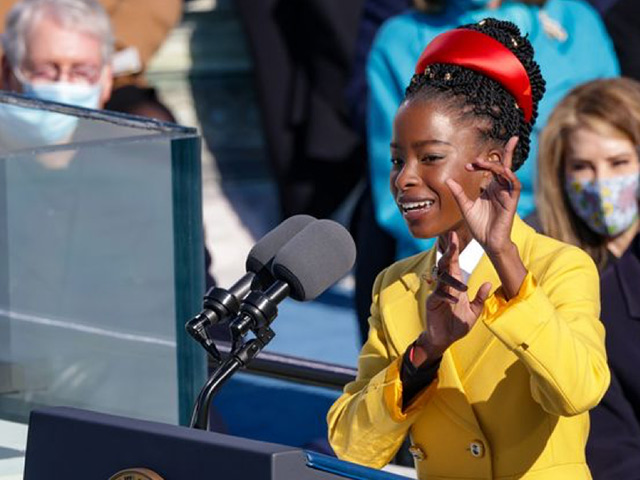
(450, 313)
(490, 217)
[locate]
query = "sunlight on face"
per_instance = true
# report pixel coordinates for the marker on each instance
(428, 147)
(55, 53)
(591, 155)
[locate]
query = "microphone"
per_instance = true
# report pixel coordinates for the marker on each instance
(220, 304)
(313, 260)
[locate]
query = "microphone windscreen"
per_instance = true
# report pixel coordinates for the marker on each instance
(269, 245)
(315, 259)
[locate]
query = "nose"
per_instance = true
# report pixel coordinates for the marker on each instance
(602, 171)
(64, 75)
(407, 176)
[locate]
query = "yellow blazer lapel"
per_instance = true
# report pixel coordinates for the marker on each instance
(461, 357)
(452, 398)
(468, 351)
(404, 314)
(456, 361)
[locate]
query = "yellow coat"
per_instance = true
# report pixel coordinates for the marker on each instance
(511, 398)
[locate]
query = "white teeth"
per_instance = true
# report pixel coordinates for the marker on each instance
(416, 205)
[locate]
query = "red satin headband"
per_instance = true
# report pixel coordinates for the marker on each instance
(479, 52)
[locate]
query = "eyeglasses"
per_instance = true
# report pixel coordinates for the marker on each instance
(50, 73)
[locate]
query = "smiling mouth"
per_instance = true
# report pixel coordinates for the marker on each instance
(408, 207)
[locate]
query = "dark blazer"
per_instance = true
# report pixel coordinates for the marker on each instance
(302, 56)
(613, 449)
(622, 19)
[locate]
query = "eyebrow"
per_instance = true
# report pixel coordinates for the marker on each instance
(615, 156)
(422, 143)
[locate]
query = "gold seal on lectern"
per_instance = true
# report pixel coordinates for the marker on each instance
(136, 474)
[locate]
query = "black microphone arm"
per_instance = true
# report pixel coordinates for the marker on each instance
(218, 305)
(306, 266)
(257, 312)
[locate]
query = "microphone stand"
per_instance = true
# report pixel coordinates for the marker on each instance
(241, 358)
(197, 328)
(218, 305)
(256, 315)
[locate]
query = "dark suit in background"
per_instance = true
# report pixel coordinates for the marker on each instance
(613, 450)
(302, 53)
(376, 247)
(622, 19)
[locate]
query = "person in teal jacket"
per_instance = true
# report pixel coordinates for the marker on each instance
(571, 45)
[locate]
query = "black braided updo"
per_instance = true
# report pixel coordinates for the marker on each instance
(472, 93)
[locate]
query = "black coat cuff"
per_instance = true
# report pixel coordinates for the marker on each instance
(415, 379)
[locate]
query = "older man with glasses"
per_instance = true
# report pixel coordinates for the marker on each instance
(55, 50)
(59, 50)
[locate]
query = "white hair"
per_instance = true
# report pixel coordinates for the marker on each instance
(86, 16)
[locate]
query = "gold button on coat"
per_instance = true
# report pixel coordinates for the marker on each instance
(477, 448)
(417, 453)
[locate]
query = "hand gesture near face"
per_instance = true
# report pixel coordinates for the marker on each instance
(450, 312)
(490, 217)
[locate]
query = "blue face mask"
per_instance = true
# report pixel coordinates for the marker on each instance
(78, 95)
(28, 128)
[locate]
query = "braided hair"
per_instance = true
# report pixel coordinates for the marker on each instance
(473, 94)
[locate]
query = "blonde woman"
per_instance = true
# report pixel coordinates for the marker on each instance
(588, 196)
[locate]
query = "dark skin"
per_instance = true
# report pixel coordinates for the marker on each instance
(451, 184)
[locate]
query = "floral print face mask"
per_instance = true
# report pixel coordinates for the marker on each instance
(608, 206)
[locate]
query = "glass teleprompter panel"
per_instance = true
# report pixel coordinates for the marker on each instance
(59, 126)
(93, 286)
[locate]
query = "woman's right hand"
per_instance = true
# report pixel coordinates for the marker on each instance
(450, 314)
